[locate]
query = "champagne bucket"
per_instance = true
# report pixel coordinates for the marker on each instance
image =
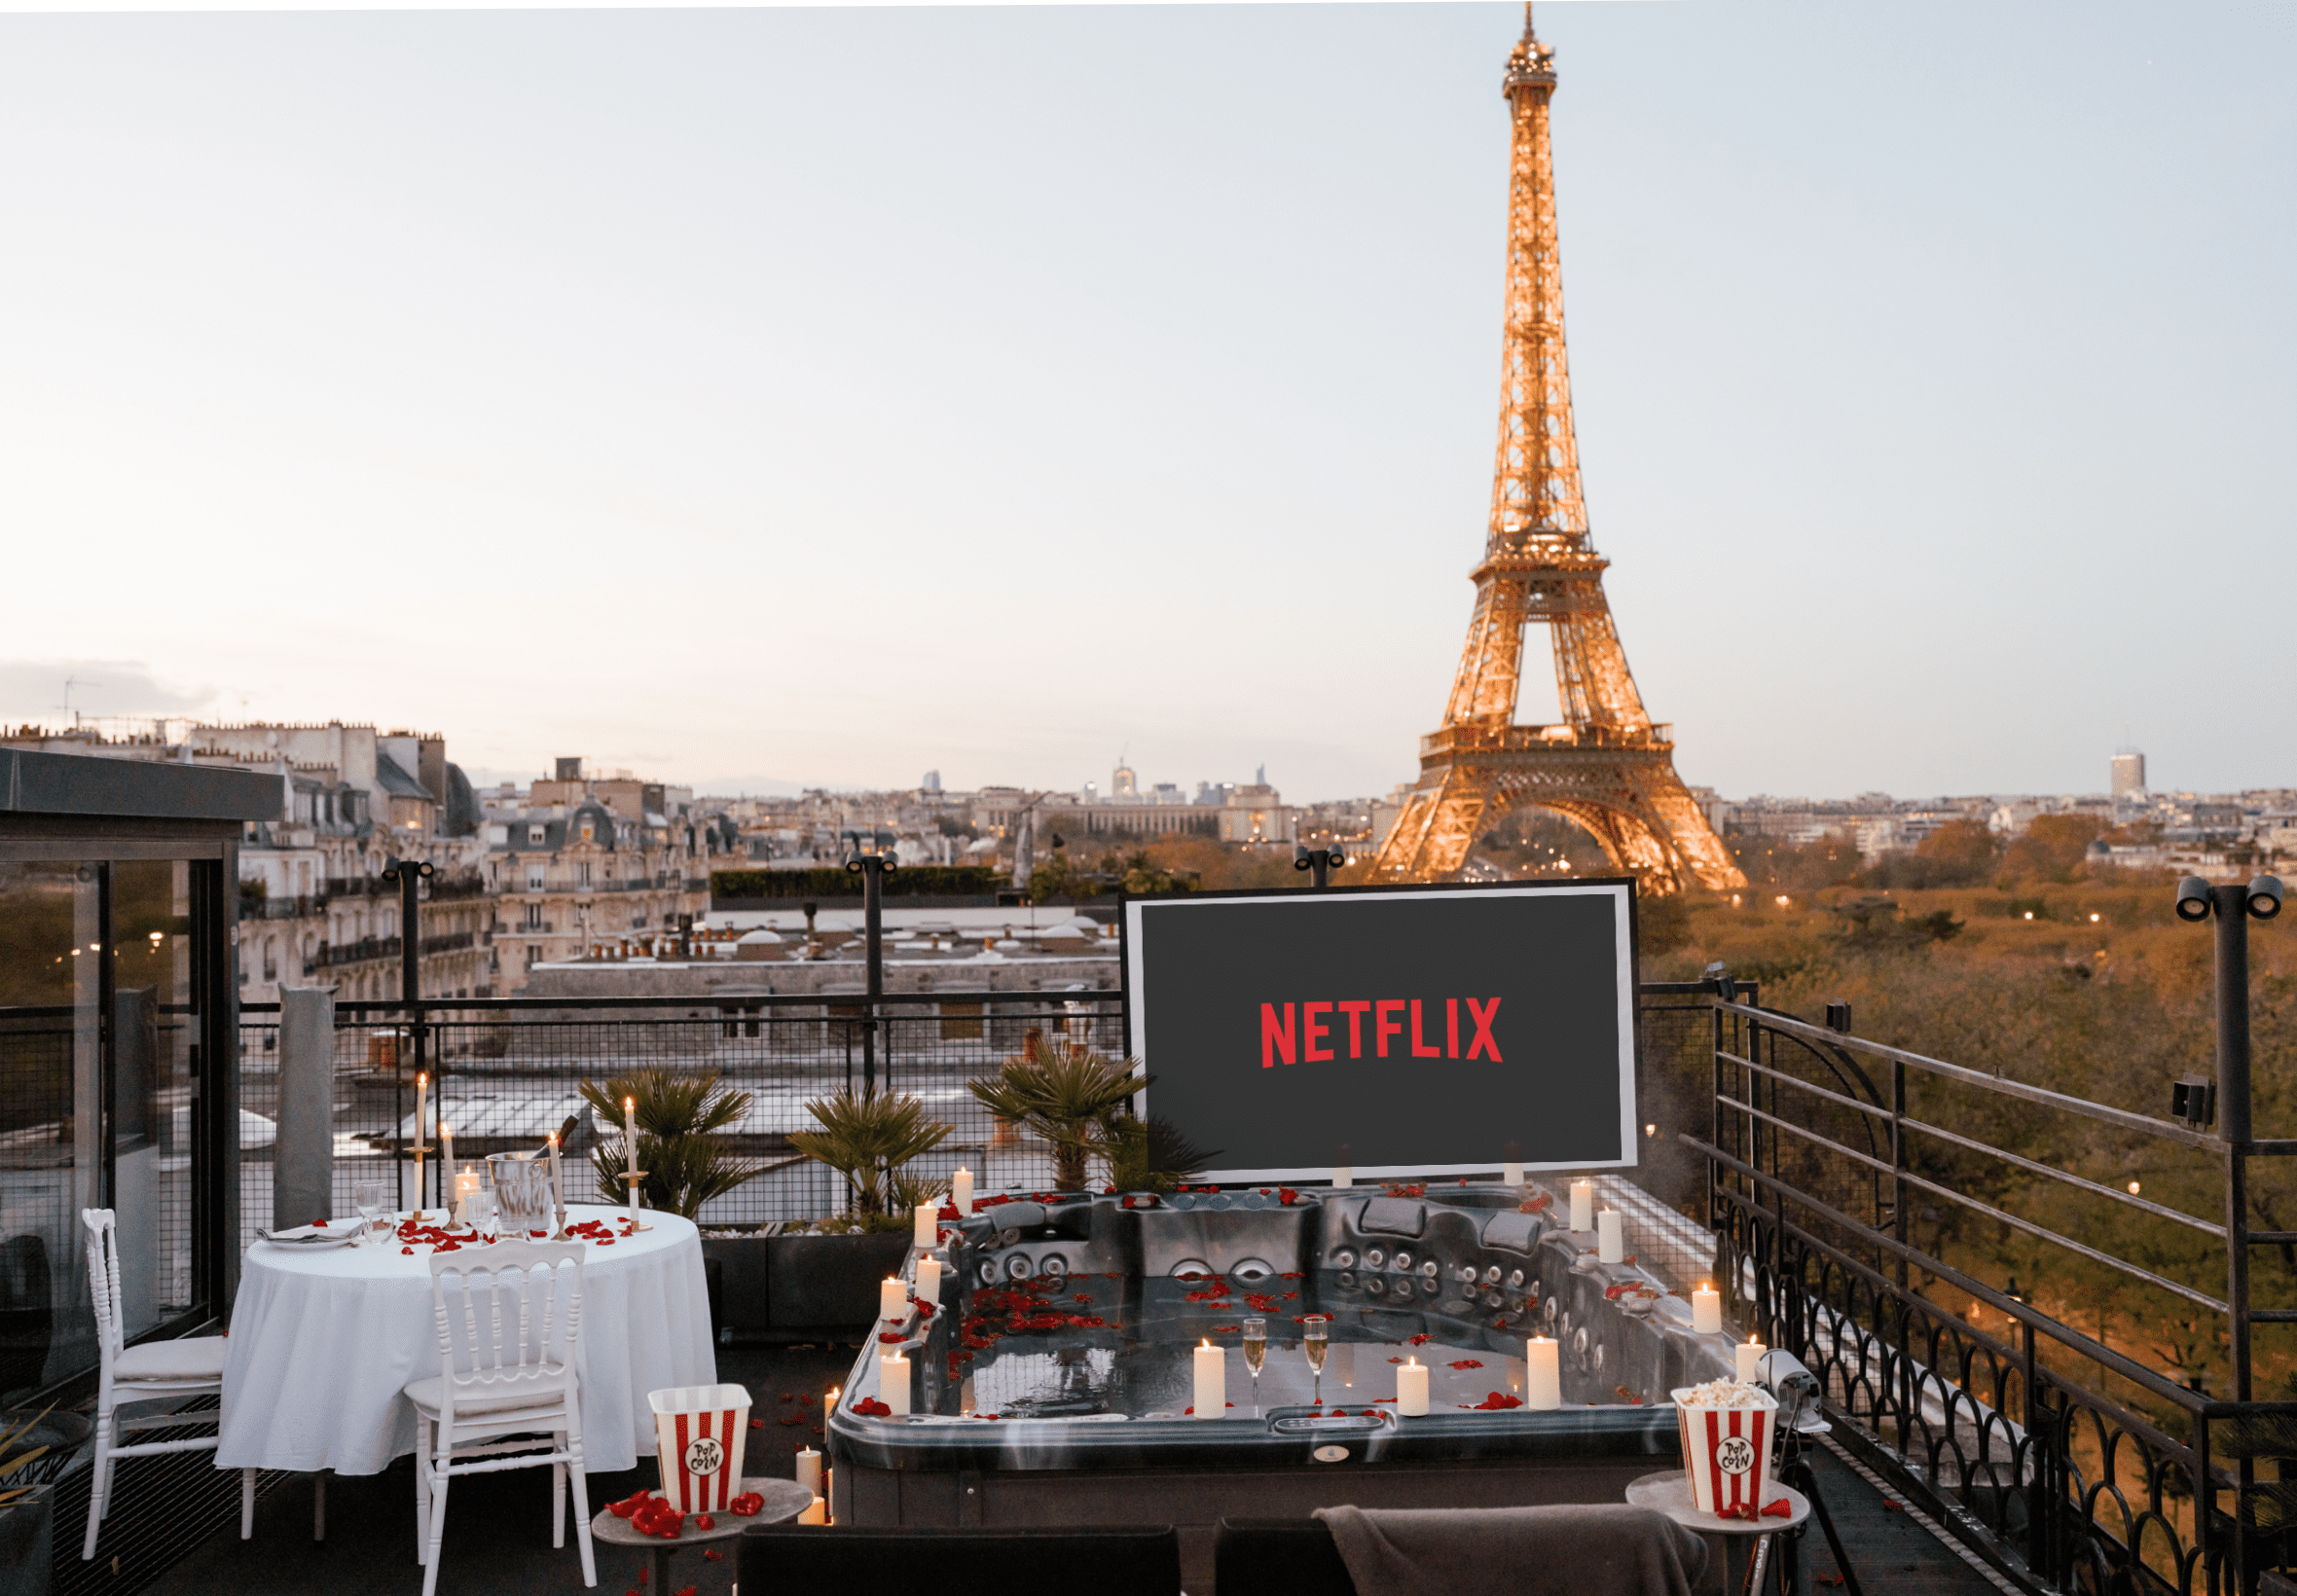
(523, 1197)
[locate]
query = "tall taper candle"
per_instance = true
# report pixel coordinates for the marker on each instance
(629, 1148)
(893, 1383)
(1212, 1382)
(557, 1193)
(1411, 1390)
(1543, 1373)
(1583, 1205)
(960, 1191)
(446, 1147)
(1611, 1241)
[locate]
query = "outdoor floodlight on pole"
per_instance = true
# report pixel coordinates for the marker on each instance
(871, 865)
(2235, 906)
(407, 875)
(1322, 860)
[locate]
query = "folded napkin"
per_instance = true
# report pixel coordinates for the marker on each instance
(305, 1234)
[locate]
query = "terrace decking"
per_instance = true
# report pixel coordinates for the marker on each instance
(498, 1537)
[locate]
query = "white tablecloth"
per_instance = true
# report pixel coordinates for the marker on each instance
(322, 1342)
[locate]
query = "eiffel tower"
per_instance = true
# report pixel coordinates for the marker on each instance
(1605, 764)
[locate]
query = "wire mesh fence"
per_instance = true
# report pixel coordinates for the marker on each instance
(504, 1076)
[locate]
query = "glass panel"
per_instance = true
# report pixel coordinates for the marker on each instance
(51, 1063)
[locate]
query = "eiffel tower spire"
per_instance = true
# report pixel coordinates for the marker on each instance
(1605, 764)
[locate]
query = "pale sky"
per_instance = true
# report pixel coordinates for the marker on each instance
(826, 396)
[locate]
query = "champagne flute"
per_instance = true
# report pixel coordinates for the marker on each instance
(372, 1199)
(1316, 1341)
(1256, 1352)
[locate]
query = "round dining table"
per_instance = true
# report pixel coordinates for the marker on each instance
(324, 1340)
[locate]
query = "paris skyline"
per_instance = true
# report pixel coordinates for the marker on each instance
(824, 397)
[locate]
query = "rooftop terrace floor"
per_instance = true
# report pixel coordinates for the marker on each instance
(499, 1526)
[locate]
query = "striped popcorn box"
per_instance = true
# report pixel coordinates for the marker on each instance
(698, 1436)
(1726, 1431)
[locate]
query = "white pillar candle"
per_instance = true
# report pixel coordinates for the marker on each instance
(892, 1300)
(960, 1191)
(1706, 1310)
(893, 1383)
(929, 1279)
(1411, 1390)
(927, 1229)
(809, 1469)
(1543, 1373)
(817, 1512)
(1511, 1165)
(1750, 1359)
(1583, 1205)
(1212, 1382)
(1610, 1240)
(1343, 1166)
(629, 1148)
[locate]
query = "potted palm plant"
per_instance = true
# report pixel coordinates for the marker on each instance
(822, 1282)
(681, 1120)
(1070, 1095)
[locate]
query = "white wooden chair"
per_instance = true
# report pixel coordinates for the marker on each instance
(153, 1371)
(506, 1395)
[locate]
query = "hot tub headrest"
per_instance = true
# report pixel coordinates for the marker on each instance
(1394, 1217)
(1517, 1232)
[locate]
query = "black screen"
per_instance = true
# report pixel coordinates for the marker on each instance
(1425, 1030)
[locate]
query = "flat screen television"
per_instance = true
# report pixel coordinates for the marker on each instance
(1423, 1027)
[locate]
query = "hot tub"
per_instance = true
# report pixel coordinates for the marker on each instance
(1054, 1386)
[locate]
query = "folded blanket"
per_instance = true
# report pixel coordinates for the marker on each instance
(1607, 1549)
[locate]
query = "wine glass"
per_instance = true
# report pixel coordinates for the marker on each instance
(1316, 1341)
(373, 1200)
(1256, 1352)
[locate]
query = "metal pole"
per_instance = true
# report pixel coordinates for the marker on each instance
(2232, 905)
(873, 875)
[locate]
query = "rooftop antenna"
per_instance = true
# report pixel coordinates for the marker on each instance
(71, 682)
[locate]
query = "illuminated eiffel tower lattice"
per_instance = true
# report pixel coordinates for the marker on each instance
(1604, 764)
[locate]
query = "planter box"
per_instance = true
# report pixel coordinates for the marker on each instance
(28, 1544)
(801, 1288)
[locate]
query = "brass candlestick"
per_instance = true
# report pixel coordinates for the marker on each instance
(418, 1149)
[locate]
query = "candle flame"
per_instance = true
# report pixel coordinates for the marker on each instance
(422, 1078)
(628, 1104)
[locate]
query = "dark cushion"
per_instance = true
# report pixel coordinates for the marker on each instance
(837, 1559)
(1278, 1557)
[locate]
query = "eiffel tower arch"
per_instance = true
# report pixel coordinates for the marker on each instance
(1605, 764)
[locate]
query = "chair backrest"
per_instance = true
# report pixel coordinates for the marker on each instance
(1134, 1561)
(1278, 1557)
(502, 1322)
(103, 1278)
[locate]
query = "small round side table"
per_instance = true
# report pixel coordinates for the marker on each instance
(1669, 1492)
(785, 1498)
